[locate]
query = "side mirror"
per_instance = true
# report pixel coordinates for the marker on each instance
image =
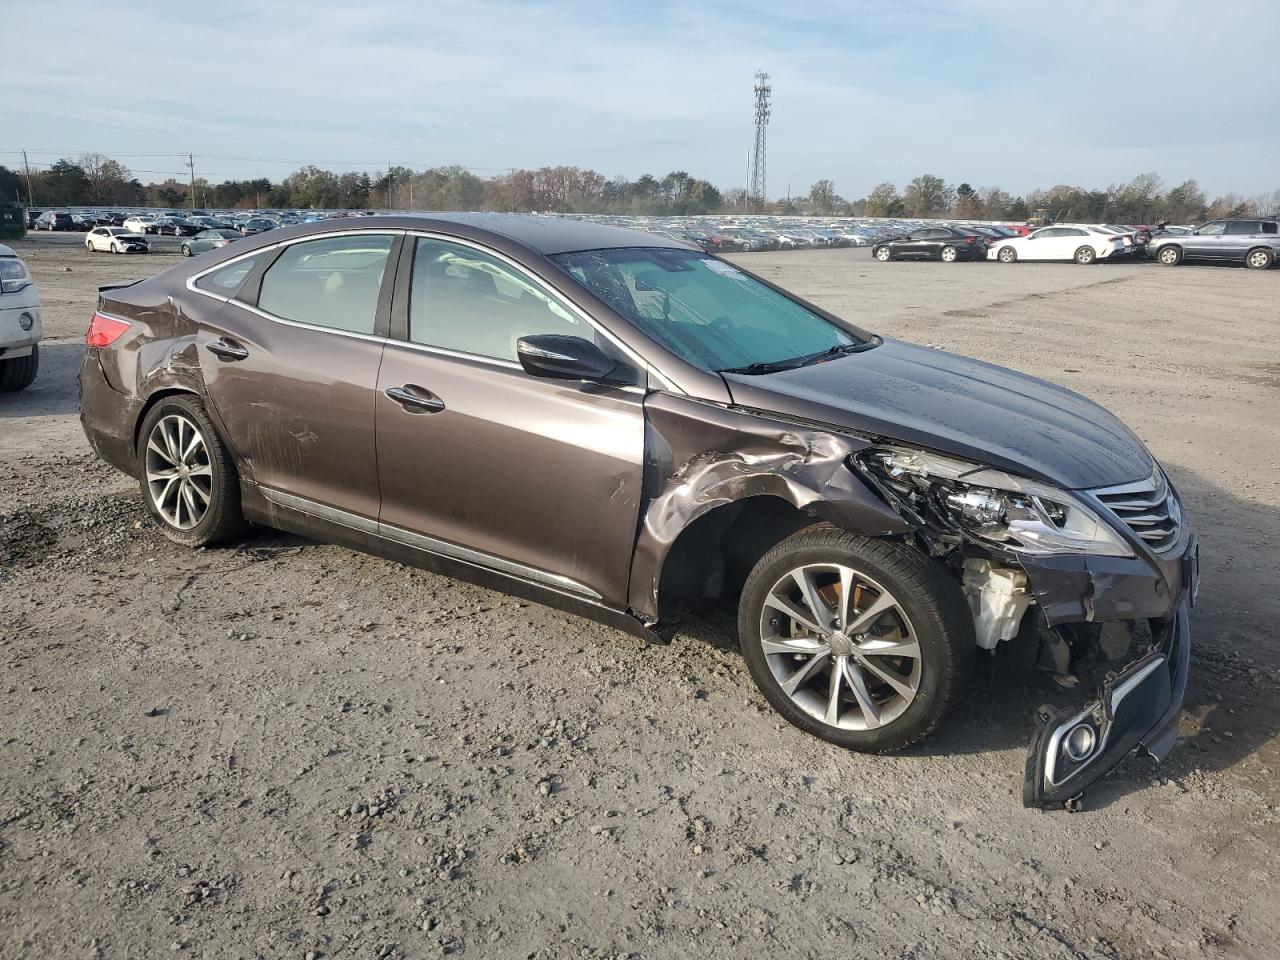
(563, 357)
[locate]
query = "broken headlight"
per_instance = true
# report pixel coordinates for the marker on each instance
(992, 506)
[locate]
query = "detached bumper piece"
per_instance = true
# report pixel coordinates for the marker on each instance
(1137, 708)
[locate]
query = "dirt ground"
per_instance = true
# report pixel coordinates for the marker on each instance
(289, 750)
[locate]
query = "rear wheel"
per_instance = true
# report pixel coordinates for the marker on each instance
(1260, 259)
(864, 643)
(883, 254)
(1086, 255)
(17, 373)
(949, 254)
(1007, 255)
(1170, 256)
(188, 480)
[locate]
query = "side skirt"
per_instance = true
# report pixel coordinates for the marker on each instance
(259, 510)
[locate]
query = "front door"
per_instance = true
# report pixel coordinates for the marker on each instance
(291, 373)
(1206, 242)
(482, 462)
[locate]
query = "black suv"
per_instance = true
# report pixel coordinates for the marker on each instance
(1253, 241)
(49, 220)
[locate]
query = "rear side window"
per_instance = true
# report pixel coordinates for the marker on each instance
(1238, 227)
(1269, 226)
(331, 283)
(227, 281)
(465, 300)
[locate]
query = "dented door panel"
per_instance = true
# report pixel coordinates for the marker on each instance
(298, 409)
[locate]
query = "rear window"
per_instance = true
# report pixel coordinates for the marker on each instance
(227, 281)
(1241, 227)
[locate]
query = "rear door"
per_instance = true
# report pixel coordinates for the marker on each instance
(1239, 238)
(290, 364)
(479, 461)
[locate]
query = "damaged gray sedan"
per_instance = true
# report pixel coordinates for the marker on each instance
(621, 426)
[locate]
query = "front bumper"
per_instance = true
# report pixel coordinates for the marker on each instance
(1139, 707)
(14, 341)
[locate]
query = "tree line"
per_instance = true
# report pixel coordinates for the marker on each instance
(96, 180)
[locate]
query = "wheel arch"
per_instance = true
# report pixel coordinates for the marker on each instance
(720, 479)
(158, 395)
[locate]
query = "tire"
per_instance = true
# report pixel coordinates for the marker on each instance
(883, 254)
(1259, 259)
(949, 254)
(210, 476)
(1007, 255)
(88, 247)
(1169, 255)
(17, 373)
(1085, 256)
(115, 248)
(929, 615)
(186, 250)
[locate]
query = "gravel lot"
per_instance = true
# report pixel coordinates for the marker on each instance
(290, 750)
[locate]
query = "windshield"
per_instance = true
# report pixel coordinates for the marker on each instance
(704, 310)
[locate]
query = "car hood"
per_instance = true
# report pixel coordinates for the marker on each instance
(956, 405)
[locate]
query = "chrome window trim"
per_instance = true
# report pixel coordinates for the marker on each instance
(191, 282)
(559, 297)
(428, 544)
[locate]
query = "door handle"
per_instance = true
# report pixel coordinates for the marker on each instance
(415, 399)
(226, 350)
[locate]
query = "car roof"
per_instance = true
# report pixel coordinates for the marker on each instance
(6, 251)
(544, 234)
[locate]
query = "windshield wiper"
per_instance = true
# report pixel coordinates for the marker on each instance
(767, 366)
(839, 350)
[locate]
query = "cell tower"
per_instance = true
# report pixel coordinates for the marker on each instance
(763, 91)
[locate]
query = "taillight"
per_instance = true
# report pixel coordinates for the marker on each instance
(104, 331)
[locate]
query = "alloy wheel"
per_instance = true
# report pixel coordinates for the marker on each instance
(948, 254)
(840, 646)
(179, 474)
(1007, 255)
(1259, 259)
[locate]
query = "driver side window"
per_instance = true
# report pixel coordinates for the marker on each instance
(463, 299)
(1212, 229)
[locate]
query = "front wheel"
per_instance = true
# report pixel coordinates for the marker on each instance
(1007, 255)
(186, 250)
(1086, 255)
(1170, 256)
(116, 248)
(864, 643)
(187, 477)
(883, 254)
(1259, 259)
(949, 254)
(18, 373)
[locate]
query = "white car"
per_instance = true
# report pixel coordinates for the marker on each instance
(1064, 241)
(19, 323)
(143, 224)
(115, 240)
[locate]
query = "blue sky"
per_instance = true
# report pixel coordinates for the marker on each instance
(1013, 93)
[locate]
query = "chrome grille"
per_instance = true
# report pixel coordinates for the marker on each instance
(1147, 507)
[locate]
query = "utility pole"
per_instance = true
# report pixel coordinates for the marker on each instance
(191, 165)
(31, 200)
(390, 189)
